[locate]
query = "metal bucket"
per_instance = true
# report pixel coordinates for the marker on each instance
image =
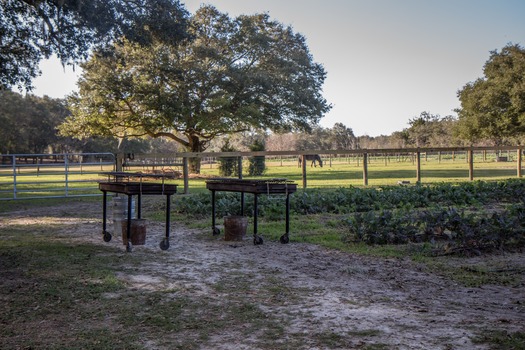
(235, 228)
(120, 211)
(138, 232)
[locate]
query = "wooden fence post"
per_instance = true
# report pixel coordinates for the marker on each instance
(365, 169)
(418, 167)
(120, 161)
(303, 169)
(518, 161)
(185, 174)
(239, 167)
(470, 156)
(239, 171)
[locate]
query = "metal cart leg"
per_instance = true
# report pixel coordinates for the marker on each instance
(215, 230)
(165, 243)
(105, 233)
(286, 238)
(168, 211)
(139, 206)
(287, 213)
(256, 238)
(128, 224)
(104, 211)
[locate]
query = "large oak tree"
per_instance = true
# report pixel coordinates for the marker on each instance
(235, 74)
(493, 107)
(34, 29)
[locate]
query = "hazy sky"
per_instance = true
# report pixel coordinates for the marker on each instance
(386, 60)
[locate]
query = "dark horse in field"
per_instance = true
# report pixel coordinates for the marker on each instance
(315, 158)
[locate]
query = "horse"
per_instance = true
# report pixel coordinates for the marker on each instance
(314, 158)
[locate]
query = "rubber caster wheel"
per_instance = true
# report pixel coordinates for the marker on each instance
(129, 247)
(216, 231)
(257, 240)
(165, 244)
(107, 236)
(284, 239)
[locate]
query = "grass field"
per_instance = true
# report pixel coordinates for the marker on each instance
(343, 173)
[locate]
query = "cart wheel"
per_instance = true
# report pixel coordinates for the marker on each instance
(165, 244)
(216, 231)
(129, 247)
(284, 239)
(107, 236)
(257, 240)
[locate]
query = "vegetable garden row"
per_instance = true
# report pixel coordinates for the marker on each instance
(466, 218)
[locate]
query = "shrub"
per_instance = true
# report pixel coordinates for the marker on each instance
(228, 166)
(257, 164)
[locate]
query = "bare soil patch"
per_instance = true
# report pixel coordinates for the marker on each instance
(293, 296)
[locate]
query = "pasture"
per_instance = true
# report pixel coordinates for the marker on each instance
(43, 178)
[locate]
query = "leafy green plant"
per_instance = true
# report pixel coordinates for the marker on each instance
(450, 230)
(228, 166)
(257, 164)
(384, 227)
(346, 200)
(449, 217)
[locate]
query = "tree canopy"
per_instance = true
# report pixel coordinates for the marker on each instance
(29, 122)
(34, 29)
(236, 74)
(429, 130)
(493, 107)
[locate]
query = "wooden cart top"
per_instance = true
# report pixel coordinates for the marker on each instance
(126, 182)
(121, 176)
(268, 186)
(133, 188)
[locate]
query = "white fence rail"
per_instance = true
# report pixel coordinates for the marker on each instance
(31, 176)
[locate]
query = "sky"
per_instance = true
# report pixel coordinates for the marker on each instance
(387, 61)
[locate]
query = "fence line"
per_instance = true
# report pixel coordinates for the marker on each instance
(363, 157)
(74, 174)
(67, 174)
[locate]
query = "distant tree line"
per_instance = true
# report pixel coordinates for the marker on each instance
(29, 125)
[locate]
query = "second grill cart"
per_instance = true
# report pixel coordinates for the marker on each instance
(255, 187)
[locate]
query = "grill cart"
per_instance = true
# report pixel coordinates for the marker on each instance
(133, 184)
(255, 187)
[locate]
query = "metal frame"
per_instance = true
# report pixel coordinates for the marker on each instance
(17, 178)
(255, 187)
(119, 182)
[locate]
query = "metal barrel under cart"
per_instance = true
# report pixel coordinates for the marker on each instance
(133, 184)
(255, 187)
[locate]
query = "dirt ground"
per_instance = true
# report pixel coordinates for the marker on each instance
(365, 300)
